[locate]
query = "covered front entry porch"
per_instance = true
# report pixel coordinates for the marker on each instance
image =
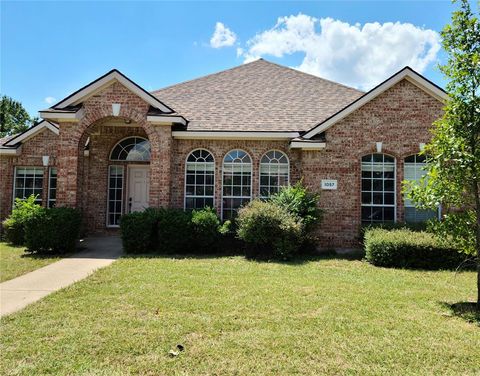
(112, 112)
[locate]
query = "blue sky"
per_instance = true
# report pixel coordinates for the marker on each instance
(50, 49)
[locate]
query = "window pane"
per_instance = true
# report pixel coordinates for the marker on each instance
(236, 182)
(378, 188)
(115, 195)
(131, 149)
(274, 172)
(28, 181)
(199, 188)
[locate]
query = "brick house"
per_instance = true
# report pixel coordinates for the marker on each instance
(220, 140)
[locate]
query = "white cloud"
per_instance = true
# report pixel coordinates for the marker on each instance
(356, 55)
(49, 100)
(222, 36)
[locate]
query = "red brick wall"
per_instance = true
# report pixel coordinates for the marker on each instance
(44, 143)
(401, 118)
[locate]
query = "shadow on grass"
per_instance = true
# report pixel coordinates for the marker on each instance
(465, 310)
(299, 260)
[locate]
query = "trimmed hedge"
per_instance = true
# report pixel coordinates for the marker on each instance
(416, 227)
(206, 229)
(53, 230)
(174, 229)
(403, 248)
(269, 231)
(171, 231)
(138, 231)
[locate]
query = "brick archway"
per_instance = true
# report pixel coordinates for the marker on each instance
(71, 146)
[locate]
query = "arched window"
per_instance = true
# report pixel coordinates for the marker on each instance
(378, 188)
(414, 170)
(199, 179)
(237, 182)
(274, 172)
(134, 149)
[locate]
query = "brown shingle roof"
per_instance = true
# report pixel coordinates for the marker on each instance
(258, 96)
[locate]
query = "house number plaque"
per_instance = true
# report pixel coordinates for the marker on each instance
(329, 184)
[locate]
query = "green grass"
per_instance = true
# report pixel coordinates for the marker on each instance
(14, 262)
(241, 317)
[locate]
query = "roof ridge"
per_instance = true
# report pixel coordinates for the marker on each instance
(312, 75)
(207, 75)
(252, 62)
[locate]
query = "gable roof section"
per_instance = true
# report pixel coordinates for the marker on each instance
(257, 97)
(406, 73)
(107, 79)
(31, 132)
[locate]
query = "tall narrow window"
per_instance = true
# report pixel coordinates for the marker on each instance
(274, 172)
(237, 182)
(28, 181)
(199, 179)
(378, 188)
(414, 170)
(115, 194)
(52, 187)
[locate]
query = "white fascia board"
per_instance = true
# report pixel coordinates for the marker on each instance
(12, 151)
(307, 145)
(166, 120)
(32, 132)
(232, 135)
(71, 117)
(405, 73)
(105, 81)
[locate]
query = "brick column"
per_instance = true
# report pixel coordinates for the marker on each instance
(67, 165)
(160, 166)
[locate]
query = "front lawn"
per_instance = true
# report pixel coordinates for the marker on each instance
(235, 316)
(14, 262)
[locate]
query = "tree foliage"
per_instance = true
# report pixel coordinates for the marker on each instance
(13, 117)
(453, 168)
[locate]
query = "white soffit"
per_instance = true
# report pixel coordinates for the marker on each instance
(53, 115)
(406, 73)
(232, 135)
(307, 145)
(166, 120)
(11, 151)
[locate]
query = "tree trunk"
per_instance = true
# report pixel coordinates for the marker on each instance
(476, 192)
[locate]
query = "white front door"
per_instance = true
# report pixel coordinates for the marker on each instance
(138, 188)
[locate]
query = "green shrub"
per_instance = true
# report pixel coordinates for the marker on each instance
(206, 229)
(14, 225)
(405, 248)
(269, 230)
(300, 202)
(52, 230)
(174, 231)
(139, 231)
(421, 226)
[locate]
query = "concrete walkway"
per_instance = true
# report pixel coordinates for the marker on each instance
(19, 292)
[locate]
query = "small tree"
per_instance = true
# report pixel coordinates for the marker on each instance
(453, 171)
(13, 117)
